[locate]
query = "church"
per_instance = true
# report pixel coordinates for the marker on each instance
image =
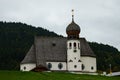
(71, 53)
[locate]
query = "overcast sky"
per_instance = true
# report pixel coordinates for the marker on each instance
(99, 20)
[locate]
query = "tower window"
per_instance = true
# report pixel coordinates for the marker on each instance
(49, 65)
(70, 45)
(83, 67)
(60, 65)
(78, 46)
(75, 66)
(74, 44)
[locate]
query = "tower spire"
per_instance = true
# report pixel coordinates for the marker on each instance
(72, 14)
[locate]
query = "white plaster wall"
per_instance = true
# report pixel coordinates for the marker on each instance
(72, 68)
(74, 56)
(29, 66)
(55, 65)
(88, 63)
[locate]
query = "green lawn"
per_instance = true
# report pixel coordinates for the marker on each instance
(17, 75)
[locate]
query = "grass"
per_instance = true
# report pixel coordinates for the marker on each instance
(17, 75)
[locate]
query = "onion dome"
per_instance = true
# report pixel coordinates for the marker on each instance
(73, 29)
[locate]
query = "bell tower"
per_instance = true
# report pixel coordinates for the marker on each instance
(73, 46)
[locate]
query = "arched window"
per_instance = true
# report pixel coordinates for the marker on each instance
(83, 67)
(49, 65)
(78, 46)
(70, 45)
(60, 65)
(74, 44)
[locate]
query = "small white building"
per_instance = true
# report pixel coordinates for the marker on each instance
(71, 53)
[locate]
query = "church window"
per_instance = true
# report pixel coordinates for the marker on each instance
(70, 45)
(24, 68)
(74, 44)
(92, 68)
(49, 65)
(83, 67)
(60, 65)
(78, 46)
(75, 66)
(70, 60)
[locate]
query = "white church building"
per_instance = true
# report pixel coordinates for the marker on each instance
(71, 53)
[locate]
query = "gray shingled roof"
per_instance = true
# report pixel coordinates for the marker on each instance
(53, 49)
(50, 49)
(30, 56)
(85, 48)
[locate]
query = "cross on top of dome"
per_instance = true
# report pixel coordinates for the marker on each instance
(73, 29)
(72, 14)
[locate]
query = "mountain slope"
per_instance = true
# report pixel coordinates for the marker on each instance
(106, 55)
(15, 41)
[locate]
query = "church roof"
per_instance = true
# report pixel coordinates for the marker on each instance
(50, 49)
(30, 56)
(85, 48)
(53, 49)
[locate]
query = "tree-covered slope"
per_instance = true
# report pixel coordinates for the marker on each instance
(15, 41)
(17, 38)
(106, 55)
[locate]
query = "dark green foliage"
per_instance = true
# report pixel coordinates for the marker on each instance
(15, 41)
(17, 38)
(106, 55)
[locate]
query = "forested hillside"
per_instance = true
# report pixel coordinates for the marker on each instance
(15, 41)
(106, 55)
(17, 38)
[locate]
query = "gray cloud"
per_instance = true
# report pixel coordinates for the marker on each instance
(99, 19)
